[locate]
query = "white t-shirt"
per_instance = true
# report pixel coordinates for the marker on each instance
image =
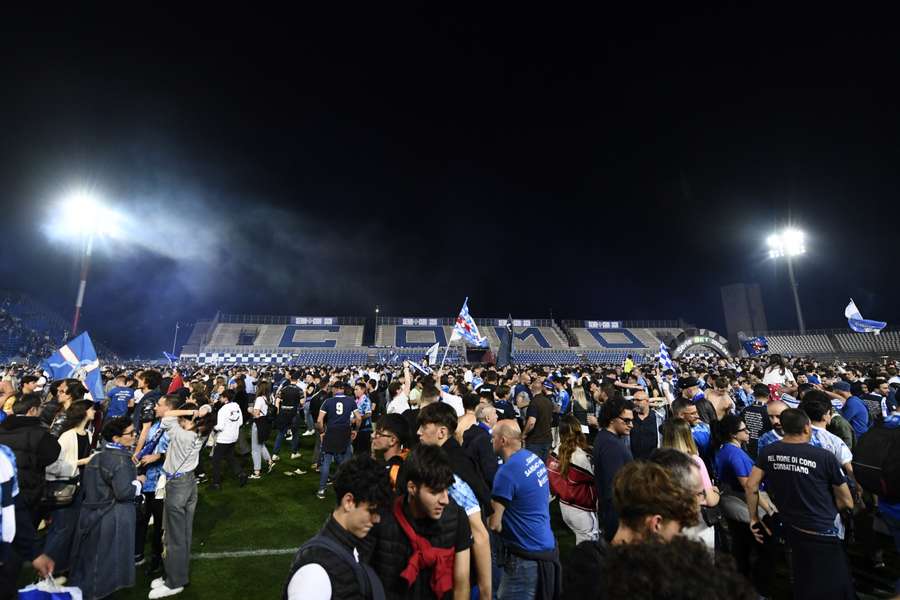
(261, 405)
(310, 582)
(399, 404)
(775, 377)
(454, 401)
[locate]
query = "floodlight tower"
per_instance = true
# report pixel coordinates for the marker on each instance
(88, 218)
(788, 244)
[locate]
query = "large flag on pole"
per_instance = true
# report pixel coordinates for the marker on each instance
(665, 361)
(170, 357)
(505, 355)
(77, 360)
(860, 325)
(466, 329)
(756, 346)
(432, 353)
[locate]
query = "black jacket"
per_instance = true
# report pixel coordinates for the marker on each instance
(477, 444)
(34, 448)
(343, 580)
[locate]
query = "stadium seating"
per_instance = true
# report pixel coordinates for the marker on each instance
(545, 357)
(612, 357)
(633, 340)
(800, 344)
(885, 342)
(286, 337)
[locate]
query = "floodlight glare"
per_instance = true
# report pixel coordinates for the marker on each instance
(788, 244)
(85, 215)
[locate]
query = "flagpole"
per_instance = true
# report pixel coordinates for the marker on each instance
(446, 350)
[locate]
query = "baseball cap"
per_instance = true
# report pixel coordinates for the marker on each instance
(841, 386)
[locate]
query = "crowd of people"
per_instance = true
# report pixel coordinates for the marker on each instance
(694, 483)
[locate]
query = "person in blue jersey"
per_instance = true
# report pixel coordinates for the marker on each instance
(121, 398)
(521, 503)
(683, 408)
(337, 423)
(852, 408)
(773, 412)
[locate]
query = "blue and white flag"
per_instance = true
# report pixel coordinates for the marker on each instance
(465, 328)
(421, 369)
(170, 357)
(393, 356)
(77, 360)
(860, 325)
(431, 354)
(665, 361)
(756, 346)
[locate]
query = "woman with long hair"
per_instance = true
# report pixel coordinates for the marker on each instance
(777, 376)
(75, 452)
(261, 428)
(676, 433)
(733, 466)
(571, 474)
(103, 548)
(187, 428)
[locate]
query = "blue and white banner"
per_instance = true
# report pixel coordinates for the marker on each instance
(170, 357)
(756, 346)
(77, 360)
(465, 328)
(665, 361)
(860, 325)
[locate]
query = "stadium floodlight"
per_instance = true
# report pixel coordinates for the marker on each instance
(83, 216)
(789, 244)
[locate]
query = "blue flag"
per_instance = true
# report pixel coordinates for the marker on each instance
(860, 325)
(756, 346)
(77, 360)
(170, 357)
(465, 328)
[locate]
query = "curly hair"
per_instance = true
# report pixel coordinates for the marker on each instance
(570, 438)
(366, 479)
(642, 489)
(678, 570)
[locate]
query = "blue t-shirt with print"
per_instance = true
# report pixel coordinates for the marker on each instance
(522, 487)
(364, 405)
(119, 397)
(161, 447)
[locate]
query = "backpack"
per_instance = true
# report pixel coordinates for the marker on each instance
(875, 463)
(369, 583)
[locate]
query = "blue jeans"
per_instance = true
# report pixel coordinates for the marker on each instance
(520, 577)
(327, 459)
(295, 439)
(541, 449)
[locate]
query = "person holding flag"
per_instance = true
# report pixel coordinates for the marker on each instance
(464, 329)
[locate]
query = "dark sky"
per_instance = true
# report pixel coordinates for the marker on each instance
(600, 164)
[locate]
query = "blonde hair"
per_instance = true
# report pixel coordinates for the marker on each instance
(677, 434)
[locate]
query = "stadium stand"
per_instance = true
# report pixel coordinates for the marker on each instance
(602, 357)
(796, 344)
(30, 331)
(886, 342)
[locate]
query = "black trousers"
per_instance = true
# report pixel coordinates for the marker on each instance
(754, 560)
(151, 508)
(820, 567)
(225, 451)
(23, 549)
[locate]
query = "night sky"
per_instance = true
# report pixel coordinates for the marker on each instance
(593, 164)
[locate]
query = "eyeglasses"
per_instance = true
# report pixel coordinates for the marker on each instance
(383, 434)
(742, 429)
(626, 421)
(124, 433)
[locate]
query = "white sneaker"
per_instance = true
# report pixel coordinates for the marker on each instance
(164, 591)
(308, 432)
(295, 455)
(275, 458)
(157, 582)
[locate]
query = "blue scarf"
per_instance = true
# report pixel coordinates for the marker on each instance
(115, 446)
